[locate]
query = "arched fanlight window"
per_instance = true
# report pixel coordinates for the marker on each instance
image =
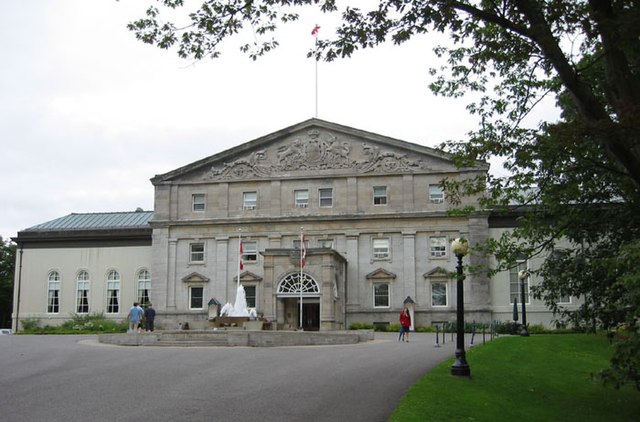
(291, 285)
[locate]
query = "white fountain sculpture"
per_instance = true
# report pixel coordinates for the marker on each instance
(239, 309)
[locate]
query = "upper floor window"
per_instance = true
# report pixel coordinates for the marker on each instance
(82, 292)
(249, 200)
(53, 299)
(301, 198)
(249, 251)
(326, 197)
(144, 287)
(514, 282)
(325, 243)
(380, 195)
(381, 295)
(438, 246)
(381, 248)
(198, 202)
(113, 292)
(196, 252)
(436, 194)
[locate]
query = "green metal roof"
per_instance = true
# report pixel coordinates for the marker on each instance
(97, 221)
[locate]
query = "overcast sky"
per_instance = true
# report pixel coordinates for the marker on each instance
(88, 114)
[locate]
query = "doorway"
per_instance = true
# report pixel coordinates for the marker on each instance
(311, 316)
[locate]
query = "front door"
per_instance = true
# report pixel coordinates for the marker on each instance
(311, 316)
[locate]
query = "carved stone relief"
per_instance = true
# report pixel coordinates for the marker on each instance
(314, 152)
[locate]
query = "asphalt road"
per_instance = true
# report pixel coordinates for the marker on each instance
(74, 378)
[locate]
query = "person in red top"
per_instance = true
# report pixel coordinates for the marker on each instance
(405, 323)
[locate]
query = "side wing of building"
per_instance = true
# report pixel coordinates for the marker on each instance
(82, 264)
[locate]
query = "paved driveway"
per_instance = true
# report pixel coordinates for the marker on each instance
(74, 378)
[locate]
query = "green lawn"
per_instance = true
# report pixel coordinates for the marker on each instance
(537, 378)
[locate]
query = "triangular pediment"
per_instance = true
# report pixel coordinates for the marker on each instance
(380, 274)
(314, 148)
(195, 278)
(247, 277)
(436, 272)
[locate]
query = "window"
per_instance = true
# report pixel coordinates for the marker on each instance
(53, 299)
(380, 295)
(113, 292)
(326, 197)
(196, 297)
(438, 247)
(514, 283)
(439, 294)
(249, 251)
(379, 195)
(198, 202)
(144, 286)
(301, 198)
(250, 295)
(564, 299)
(381, 248)
(325, 243)
(249, 200)
(436, 194)
(196, 252)
(82, 292)
(296, 244)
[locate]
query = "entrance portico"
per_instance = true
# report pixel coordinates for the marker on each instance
(319, 287)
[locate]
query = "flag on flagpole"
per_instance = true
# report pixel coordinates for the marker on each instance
(303, 251)
(241, 253)
(315, 30)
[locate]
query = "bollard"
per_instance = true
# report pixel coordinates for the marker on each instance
(437, 335)
(484, 329)
(473, 330)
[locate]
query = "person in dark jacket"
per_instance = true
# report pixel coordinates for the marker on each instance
(149, 316)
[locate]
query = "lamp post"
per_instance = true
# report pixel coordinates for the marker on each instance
(460, 367)
(522, 275)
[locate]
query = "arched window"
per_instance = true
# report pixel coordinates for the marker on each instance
(144, 286)
(291, 286)
(53, 297)
(113, 292)
(82, 292)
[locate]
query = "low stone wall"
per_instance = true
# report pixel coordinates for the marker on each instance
(238, 337)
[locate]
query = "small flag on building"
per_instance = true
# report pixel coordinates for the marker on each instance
(241, 253)
(315, 30)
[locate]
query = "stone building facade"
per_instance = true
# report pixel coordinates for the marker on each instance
(371, 213)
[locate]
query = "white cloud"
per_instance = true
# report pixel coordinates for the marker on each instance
(88, 113)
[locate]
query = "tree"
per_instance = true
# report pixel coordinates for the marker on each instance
(576, 179)
(7, 266)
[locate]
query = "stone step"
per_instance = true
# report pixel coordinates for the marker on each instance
(192, 342)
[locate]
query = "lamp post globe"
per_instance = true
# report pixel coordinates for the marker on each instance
(522, 275)
(460, 367)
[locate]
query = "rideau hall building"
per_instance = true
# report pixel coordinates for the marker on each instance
(369, 212)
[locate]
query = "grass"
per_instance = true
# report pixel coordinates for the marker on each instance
(537, 378)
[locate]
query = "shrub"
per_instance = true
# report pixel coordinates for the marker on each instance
(30, 324)
(78, 324)
(361, 326)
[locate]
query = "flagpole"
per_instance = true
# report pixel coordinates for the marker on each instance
(239, 256)
(301, 265)
(316, 28)
(316, 78)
